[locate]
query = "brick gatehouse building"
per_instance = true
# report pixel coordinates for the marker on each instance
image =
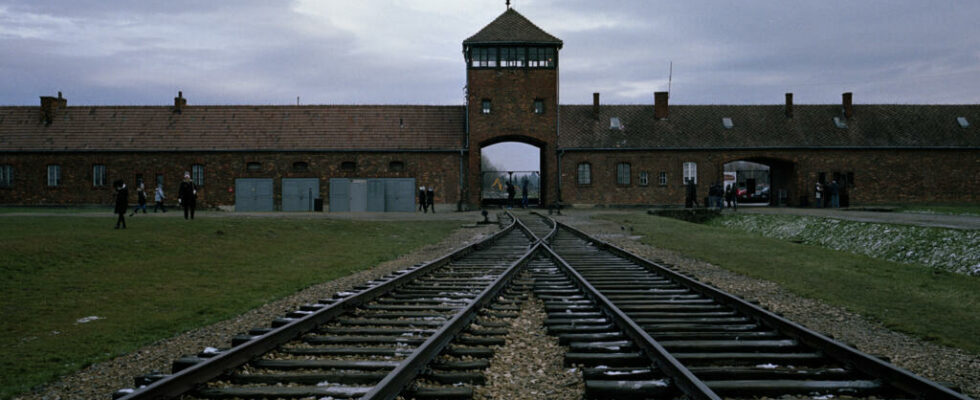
(590, 154)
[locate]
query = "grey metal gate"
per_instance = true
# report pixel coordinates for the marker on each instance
(376, 195)
(358, 195)
(339, 195)
(253, 194)
(400, 194)
(298, 193)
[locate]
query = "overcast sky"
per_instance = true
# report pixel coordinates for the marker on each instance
(110, 52)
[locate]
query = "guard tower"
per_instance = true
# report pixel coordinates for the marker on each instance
(512, 95)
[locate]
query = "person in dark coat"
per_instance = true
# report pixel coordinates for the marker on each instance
(122, 203)
(187, 195)
(510, 195)
(524, 193)
(731, 196)
(423, 206)
(834, 194)
(691, 200)
(140, 200)
(430, 198)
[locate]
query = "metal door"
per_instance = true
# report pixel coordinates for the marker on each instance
(400, 194)
(298, 193)
(376, 195)
(339, 195)
(358, 195)
(253, 194)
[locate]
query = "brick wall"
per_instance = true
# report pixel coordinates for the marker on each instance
(221, 169)
(880, 176)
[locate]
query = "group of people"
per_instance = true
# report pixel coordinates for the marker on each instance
(718, 196)
(511, 192)
(832, 190)
(427, 198)
(186, 198)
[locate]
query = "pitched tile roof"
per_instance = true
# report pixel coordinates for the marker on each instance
(234, 128)
(702, 127)
(512, 27)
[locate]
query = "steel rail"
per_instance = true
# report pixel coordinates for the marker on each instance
(682, 377)
(393, 384)
(183, 381)
(893, 375)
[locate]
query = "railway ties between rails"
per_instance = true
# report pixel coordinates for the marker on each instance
(638, 329)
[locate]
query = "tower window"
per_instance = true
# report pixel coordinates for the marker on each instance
(540, 57)
(485, 108)
(538, 106)
(483, 57)
(512, 56)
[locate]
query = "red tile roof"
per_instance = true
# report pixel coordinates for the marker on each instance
(234, 128)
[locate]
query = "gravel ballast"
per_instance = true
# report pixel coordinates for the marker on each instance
(938, 363)
(99, 381)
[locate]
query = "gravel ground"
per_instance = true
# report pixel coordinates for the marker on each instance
(100, 380)
(938, 363)
(529, 365)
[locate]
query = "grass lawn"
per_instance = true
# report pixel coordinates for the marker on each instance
(160, 277)
(951, 209)
(933, 305)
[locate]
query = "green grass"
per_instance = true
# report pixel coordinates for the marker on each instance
(949, 209)
(160, 277)
(56, 209)
(934, 305)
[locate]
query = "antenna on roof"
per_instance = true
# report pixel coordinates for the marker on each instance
(297, 100)
(670, 77)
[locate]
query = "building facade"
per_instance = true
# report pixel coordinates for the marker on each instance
(596, 154)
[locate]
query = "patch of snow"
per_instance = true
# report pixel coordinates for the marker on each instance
(88, 319)
(767, 366)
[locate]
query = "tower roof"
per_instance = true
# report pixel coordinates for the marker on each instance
(511, 28)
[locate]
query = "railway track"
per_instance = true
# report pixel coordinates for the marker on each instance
(638, 330)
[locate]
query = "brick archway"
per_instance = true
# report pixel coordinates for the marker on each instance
(475, 181)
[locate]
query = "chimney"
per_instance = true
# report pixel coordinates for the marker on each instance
(847, 105)
(50, 106)
(660, 105)
(789, 105)
(179, 102)
(595, 105)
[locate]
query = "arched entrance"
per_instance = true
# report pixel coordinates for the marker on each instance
(511, 161)
(762, 180)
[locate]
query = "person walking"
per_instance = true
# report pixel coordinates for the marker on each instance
(430, 198)
(187, 196)
(423, 206)
(834, 194)
(691, 200)
(524, 193)
(122, 203)
(158, 198)
(818, 193)
(731, 195)
(140, 200)
(510, 194)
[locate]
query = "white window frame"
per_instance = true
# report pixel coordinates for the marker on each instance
(644, 178)
(54, 175)
(690, 171)
(197, 174)
(486, 106)
(623, 173)
(99, 175)
(584, 176)
(663, 178)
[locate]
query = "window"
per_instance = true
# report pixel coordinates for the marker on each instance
(623, 173)
(483, 57)
(54, 175)
(159, 179)
(644, 179)
(538, 106)
(540, 57)
(98, 175)
(663, 178)
(585, 174)
(301, 166)
(197, 174)
(253, 166)
(6, 176)
(691, 172)
(512, 56)
(485, 108)
(348, 166)
(396, 166)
